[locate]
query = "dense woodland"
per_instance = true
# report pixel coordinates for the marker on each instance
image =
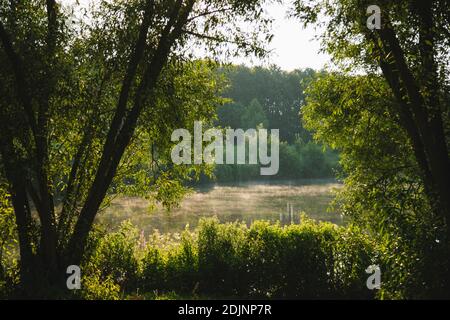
(89, 99)
(271, 98)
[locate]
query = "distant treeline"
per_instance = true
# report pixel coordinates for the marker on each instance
(272, 98)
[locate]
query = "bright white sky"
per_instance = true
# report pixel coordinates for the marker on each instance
(293, 46)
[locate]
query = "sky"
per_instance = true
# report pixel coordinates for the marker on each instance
(294, 47)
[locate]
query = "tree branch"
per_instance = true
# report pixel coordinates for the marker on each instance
(21, 84)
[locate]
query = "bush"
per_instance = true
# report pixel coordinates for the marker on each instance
(220, 257)
(97, 287)
(9, 267)
(113, 260)
(310, 260)
(297, 161)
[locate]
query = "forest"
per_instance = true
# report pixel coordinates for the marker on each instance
(91, 93)
(282, 96)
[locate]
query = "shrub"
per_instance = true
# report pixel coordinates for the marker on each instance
(97, 287)
(310, 260)
(153, 270)
(353, 252)
(220, 256)
(114, 258)
(297, 161)
(9, 267)
(182, 266)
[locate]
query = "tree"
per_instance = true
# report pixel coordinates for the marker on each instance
(392, 124)
(253, 116)
(83, 100)
(280, 94)
(382, 189)
(409, 50)
(229, 115)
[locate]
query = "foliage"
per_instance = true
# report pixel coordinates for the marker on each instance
(309, 260)
(279, 93)
(297, 161)
(253, 116)
(96, 287)
(89, 97)
(8, 246)
(272, 98)
(114, 260)
(387, 113)
(382, 186)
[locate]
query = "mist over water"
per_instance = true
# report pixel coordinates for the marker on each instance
(231, 202)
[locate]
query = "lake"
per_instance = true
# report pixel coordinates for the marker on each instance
(273, 201)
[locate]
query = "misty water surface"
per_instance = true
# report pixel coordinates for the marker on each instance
(231, 202)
